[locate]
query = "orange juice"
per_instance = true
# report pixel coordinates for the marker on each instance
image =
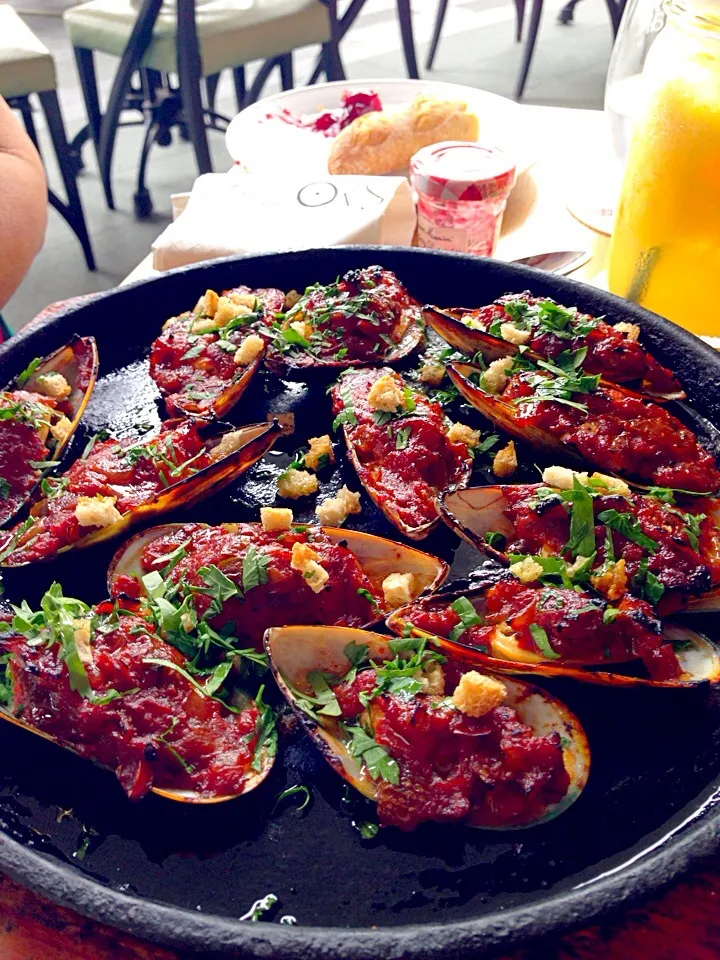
(665, 250)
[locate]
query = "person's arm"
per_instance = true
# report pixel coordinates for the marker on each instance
(23, 203)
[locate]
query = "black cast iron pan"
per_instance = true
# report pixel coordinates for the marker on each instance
(184, 876)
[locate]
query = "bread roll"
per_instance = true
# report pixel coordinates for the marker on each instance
(380, 143)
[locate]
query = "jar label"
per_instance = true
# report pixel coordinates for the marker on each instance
(431, 234)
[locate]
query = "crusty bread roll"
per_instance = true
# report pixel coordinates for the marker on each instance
(380, 143)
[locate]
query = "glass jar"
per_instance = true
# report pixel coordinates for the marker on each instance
(665, 249)
(461, 191)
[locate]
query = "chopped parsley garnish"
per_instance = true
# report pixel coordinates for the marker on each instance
(547, 317)
(662, 493)
(582, 521)
(362, 592)
(95, 438)
(629, 526)
(469, 617)
(347, 414)
(266, 730)
(367, 829)
(5, 489)
(647, 584)
(402, 438)
(297, 790)
(255, 566)
(540, 638)
(28, 371)
(693, 525)
(376, 759)
(495, 539)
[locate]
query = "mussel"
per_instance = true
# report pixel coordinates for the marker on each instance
(40, 411)
(404, 492)
(482, 516)
(378, 559)
(698, 658)
(452, 326)
(505, 414)
(245, 445)
(79, 708)
(300, 655)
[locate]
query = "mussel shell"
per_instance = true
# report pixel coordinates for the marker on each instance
(226, 399)
(699, 658)
(295, 652)
(259, 439)
(378, 558)
(67, 361)
(179, 796)
(448, 325)
(303, 365)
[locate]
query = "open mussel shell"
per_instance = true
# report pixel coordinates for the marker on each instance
(384, 502)
(698, 657)
(226, 399)
(295, 652)
(78, 362)
(257, 439)
(449, 325)
(302, 364)
(378, 558)
(179, 796)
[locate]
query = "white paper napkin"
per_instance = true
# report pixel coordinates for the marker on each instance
(238, 212)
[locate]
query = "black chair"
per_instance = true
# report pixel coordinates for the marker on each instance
(193, 45)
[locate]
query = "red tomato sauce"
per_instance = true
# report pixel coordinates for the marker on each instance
(140, 735)
(543, 527)
(360, 318)
(489, 771)
(621, 434)
(407, 460)
(110, 470)
(610, 352)
(573, 624)
(21, 442)
(285, 599)
(192, 370)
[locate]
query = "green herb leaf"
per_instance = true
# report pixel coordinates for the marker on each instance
(378, 761)
(402, 438)
(297, 789)
(362, 592)
(5, 489)
(495, 539)
(357, 653)
(541, 641)
(629, 526)
(28, 371)
(255, 567)
(266, 729)
(469, 617)
(693, 525)
(662, 493)
(367, 829)
(582, 522)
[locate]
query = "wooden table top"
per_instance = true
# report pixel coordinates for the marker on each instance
(681, 924)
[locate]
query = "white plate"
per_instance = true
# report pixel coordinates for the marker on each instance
(267, 144)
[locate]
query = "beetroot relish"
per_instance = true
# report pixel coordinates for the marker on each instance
(573, 624)
(611, 352)
(410, 477)
(286, 598)
(21, 442)
(621, 434)
(366, 314)
(107, 472)
(675, 563)
(133, 734)
(331, 122)
(201, 377)
(490, 771)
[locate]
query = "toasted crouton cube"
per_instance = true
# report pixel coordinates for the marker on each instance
(495, 378)
(204, 325)
(96, 511)
(613, 484)
(334, 511)
(81, 635)
(505, 461)
(386, 394)
(526, 570)
(229, 443)
(398, 589)
(511, 333)
(350, 499)
(294, 484)
(631, 330)
(320, 447)
(291, 298)
(612, 582)
(562, 477)
(305, 330)
(249, 350)
(432, 679)
(476, 695)
(247, 300)
(228, 309)
(432, 373)
(53, 385)
(473, 323)
(209, 303)
(275, 518)
(61, 429)
(305, 560)
(461, 433)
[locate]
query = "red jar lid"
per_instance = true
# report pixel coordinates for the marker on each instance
(456, 170)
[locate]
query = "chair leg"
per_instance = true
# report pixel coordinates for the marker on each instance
(520, 19)
(437, 30)
(142, 199)
(73, 212)
(85, 61)
(261, 78)
(24, 106)
(287, 80)
(329, 61)
(535, 14)
(211, 85)
(190, 76)
(615, 9)
(240, 86)
(404, 13)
